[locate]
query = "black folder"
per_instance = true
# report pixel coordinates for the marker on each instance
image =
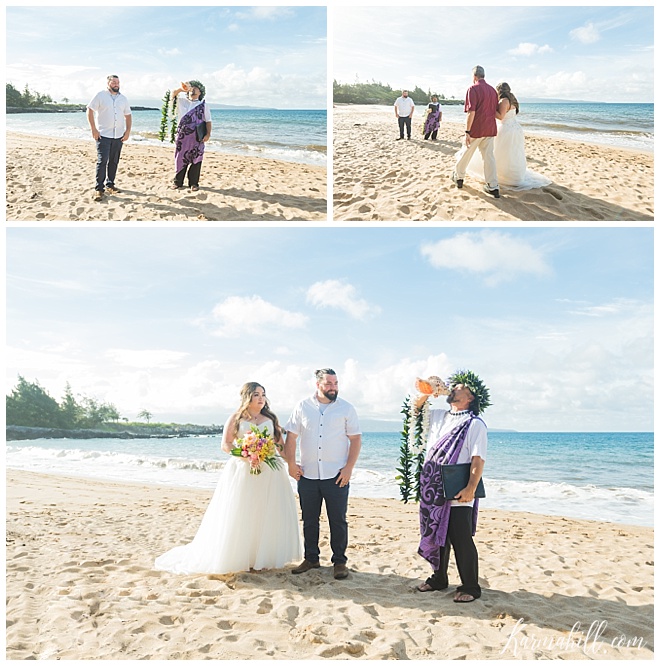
(455, 478)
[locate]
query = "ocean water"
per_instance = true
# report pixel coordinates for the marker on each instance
(616, 125)
(293, 136)
(596, 476)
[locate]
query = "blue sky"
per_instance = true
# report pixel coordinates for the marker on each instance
(557, 321)
(602, 54)
(256, 56)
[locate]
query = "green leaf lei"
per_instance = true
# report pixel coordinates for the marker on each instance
(165, 112)
(410, 463)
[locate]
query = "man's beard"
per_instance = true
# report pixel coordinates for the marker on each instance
(114, 88)
(330, 395)
(450, 397)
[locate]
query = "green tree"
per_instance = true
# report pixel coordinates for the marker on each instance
(97, 413)
(146, 415)
(14, 97)
(72, 413)
(30, 405)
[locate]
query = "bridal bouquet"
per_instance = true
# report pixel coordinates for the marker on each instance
(258, 446)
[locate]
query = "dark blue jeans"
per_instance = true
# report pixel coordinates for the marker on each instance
(407, 123)
(312, 493)
(107, 160)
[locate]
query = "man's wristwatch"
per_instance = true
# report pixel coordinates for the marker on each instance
(467, 131)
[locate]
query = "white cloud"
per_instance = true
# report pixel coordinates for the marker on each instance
(265, 13)
(495, 255)
(340, 295)
(146, 358)
(170, 52)
(616, 307)
(249, 315)
(587, 34)
(529, 49)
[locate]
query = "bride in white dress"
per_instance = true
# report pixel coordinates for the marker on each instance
(252, 520)
(509, 148)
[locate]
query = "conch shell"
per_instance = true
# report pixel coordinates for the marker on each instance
(432, 386)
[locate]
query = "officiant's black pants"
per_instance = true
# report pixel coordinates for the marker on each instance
(193, 175)
(459, 536)
(312, 493)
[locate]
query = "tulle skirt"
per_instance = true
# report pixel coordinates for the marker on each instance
(251, 523)
(509, 149)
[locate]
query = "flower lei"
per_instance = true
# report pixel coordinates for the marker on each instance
(413, 448)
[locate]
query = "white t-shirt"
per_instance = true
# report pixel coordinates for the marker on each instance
(183, 105)
(442, 421)
(323, 437)
(111, 111)
(405, 105)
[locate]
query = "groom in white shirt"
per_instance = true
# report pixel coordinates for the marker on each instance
(330, 442)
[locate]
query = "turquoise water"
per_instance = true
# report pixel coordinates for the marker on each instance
(617, 125)
(598, 476)
(295, 136)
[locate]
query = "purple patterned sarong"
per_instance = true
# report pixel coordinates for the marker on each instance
(432, 122)
(188, 150)
(433, 508)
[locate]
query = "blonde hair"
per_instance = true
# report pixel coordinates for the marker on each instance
(241, 414)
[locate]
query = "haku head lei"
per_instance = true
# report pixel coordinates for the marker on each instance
(477, 388)
(200, 85)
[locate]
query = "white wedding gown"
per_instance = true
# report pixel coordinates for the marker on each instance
(251, 523)
(512, 171)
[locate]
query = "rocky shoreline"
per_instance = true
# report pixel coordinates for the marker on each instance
(15, 433)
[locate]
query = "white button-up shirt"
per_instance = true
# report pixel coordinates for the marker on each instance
(110, 113)
(405, 105)
(323, 437)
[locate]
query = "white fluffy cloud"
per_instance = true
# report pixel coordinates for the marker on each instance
(238, 315)
(587, 34)
(340, 295)
(495, 255)
(530, 49)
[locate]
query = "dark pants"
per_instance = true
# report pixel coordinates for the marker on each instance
(407, 123)
(459, 536)
(433, 135)
(193, 175)
(312, 493)
(107, 160)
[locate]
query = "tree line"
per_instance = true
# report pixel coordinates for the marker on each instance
(30, 405)
(379, 93)
(30, 99)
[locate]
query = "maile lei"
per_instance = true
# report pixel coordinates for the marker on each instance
(168, 116)
(413, 448)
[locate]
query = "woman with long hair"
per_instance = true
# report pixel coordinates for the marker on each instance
(251, 522)
(509, 147)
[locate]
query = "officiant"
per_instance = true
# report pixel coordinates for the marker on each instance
(193, 131)
(455, 436)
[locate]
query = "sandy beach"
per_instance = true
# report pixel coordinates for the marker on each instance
(80, 585)
(379, 178)
(53, 179)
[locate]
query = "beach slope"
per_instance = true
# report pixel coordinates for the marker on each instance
(377, 177)
(53, 179)
(80, 585)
